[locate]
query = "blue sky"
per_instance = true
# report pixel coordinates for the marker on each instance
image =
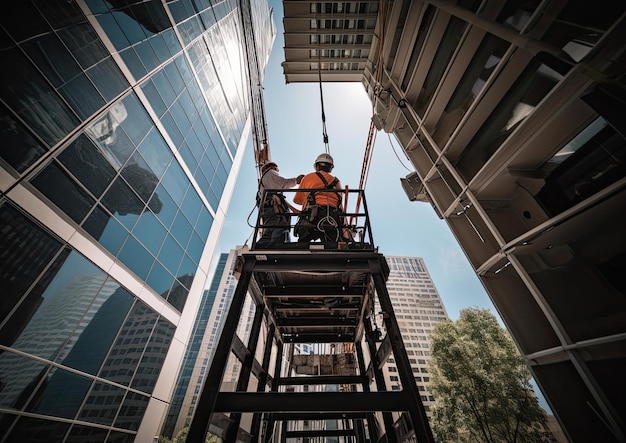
(399, 227)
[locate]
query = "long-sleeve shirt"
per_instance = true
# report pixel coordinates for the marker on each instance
(312, 181)
(271, 180)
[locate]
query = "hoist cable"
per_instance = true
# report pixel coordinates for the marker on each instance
(319, 73)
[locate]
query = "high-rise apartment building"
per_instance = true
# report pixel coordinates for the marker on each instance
(206, 332)
(512, 115)
(418, 308)
(123, 126)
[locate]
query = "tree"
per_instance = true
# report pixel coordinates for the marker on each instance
(481, 384)
(181, 437)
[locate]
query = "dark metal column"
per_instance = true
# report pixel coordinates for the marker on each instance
(246, 369)
(267, 353)
(416, 409)
(380, 382)
(269, 424)
(371, 420)
(210, 388)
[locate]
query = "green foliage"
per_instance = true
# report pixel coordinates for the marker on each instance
(481, 384)
(182, 436)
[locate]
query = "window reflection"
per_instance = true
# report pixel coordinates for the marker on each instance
(129, 346)
(38, 430)
(61, 394)
(152, 360)
(62, 306)
(529, 89)
(132, 411)
(478, 72)
(18, 377)
(102, 404)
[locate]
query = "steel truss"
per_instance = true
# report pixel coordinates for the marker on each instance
(315, 297)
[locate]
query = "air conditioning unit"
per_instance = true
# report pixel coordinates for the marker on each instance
(414, 188)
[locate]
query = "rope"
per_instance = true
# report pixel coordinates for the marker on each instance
(319, 73)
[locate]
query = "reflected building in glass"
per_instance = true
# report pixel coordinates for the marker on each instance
(123, 126)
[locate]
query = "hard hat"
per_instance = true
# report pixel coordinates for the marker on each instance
(267, 166)
(324, 158)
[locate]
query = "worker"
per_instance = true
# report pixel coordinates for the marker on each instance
(273, 207)
(321, 215)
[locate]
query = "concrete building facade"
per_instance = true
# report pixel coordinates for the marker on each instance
(123, 128)
(418, 308)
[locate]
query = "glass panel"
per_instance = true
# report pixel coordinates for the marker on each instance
(61, 394)
(195, 248)
(120, 437)
(86, 434)
(529, 89)
(478, 72)
(102, 404)
(123, 203)
(53, 58)
(181, 229)
(131, 59)
(135, 256)
(176, 182)
(171, 254)
(106, 229)
(156, 153)
(88, 165)
(152, 360)
(589, 163)
(90, 343)
(150, 232)
(84, 44)
(60, 308)
(139, 176)
(131, 412)
(113, 30)
(82, 96)
(19, 376)
(163, 206)
(445, 50)
(27, 93)
(63, 191)
(160, 280)
(187, 268)
(154, 97)
(108, 78)
(164, 87)
(36, 430)
(19, 148)
(178, 295)
(191, 205)
(125, 354)
(112, 141)
(147, 55)
(138, 126)
(25, 251)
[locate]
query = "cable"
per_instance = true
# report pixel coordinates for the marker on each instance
(396, 154)
(319, 73)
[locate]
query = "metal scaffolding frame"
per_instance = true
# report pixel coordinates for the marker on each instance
(316, 297)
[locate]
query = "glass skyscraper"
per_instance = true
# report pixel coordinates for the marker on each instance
(123, 126)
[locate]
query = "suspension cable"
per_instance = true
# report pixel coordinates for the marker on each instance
(319, 73)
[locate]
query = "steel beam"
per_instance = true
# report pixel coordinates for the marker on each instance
(323, 380)
(412, 399)
(210, 388)
(311, 401)
(321, 433)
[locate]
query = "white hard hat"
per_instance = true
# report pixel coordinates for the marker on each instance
(324, 158)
